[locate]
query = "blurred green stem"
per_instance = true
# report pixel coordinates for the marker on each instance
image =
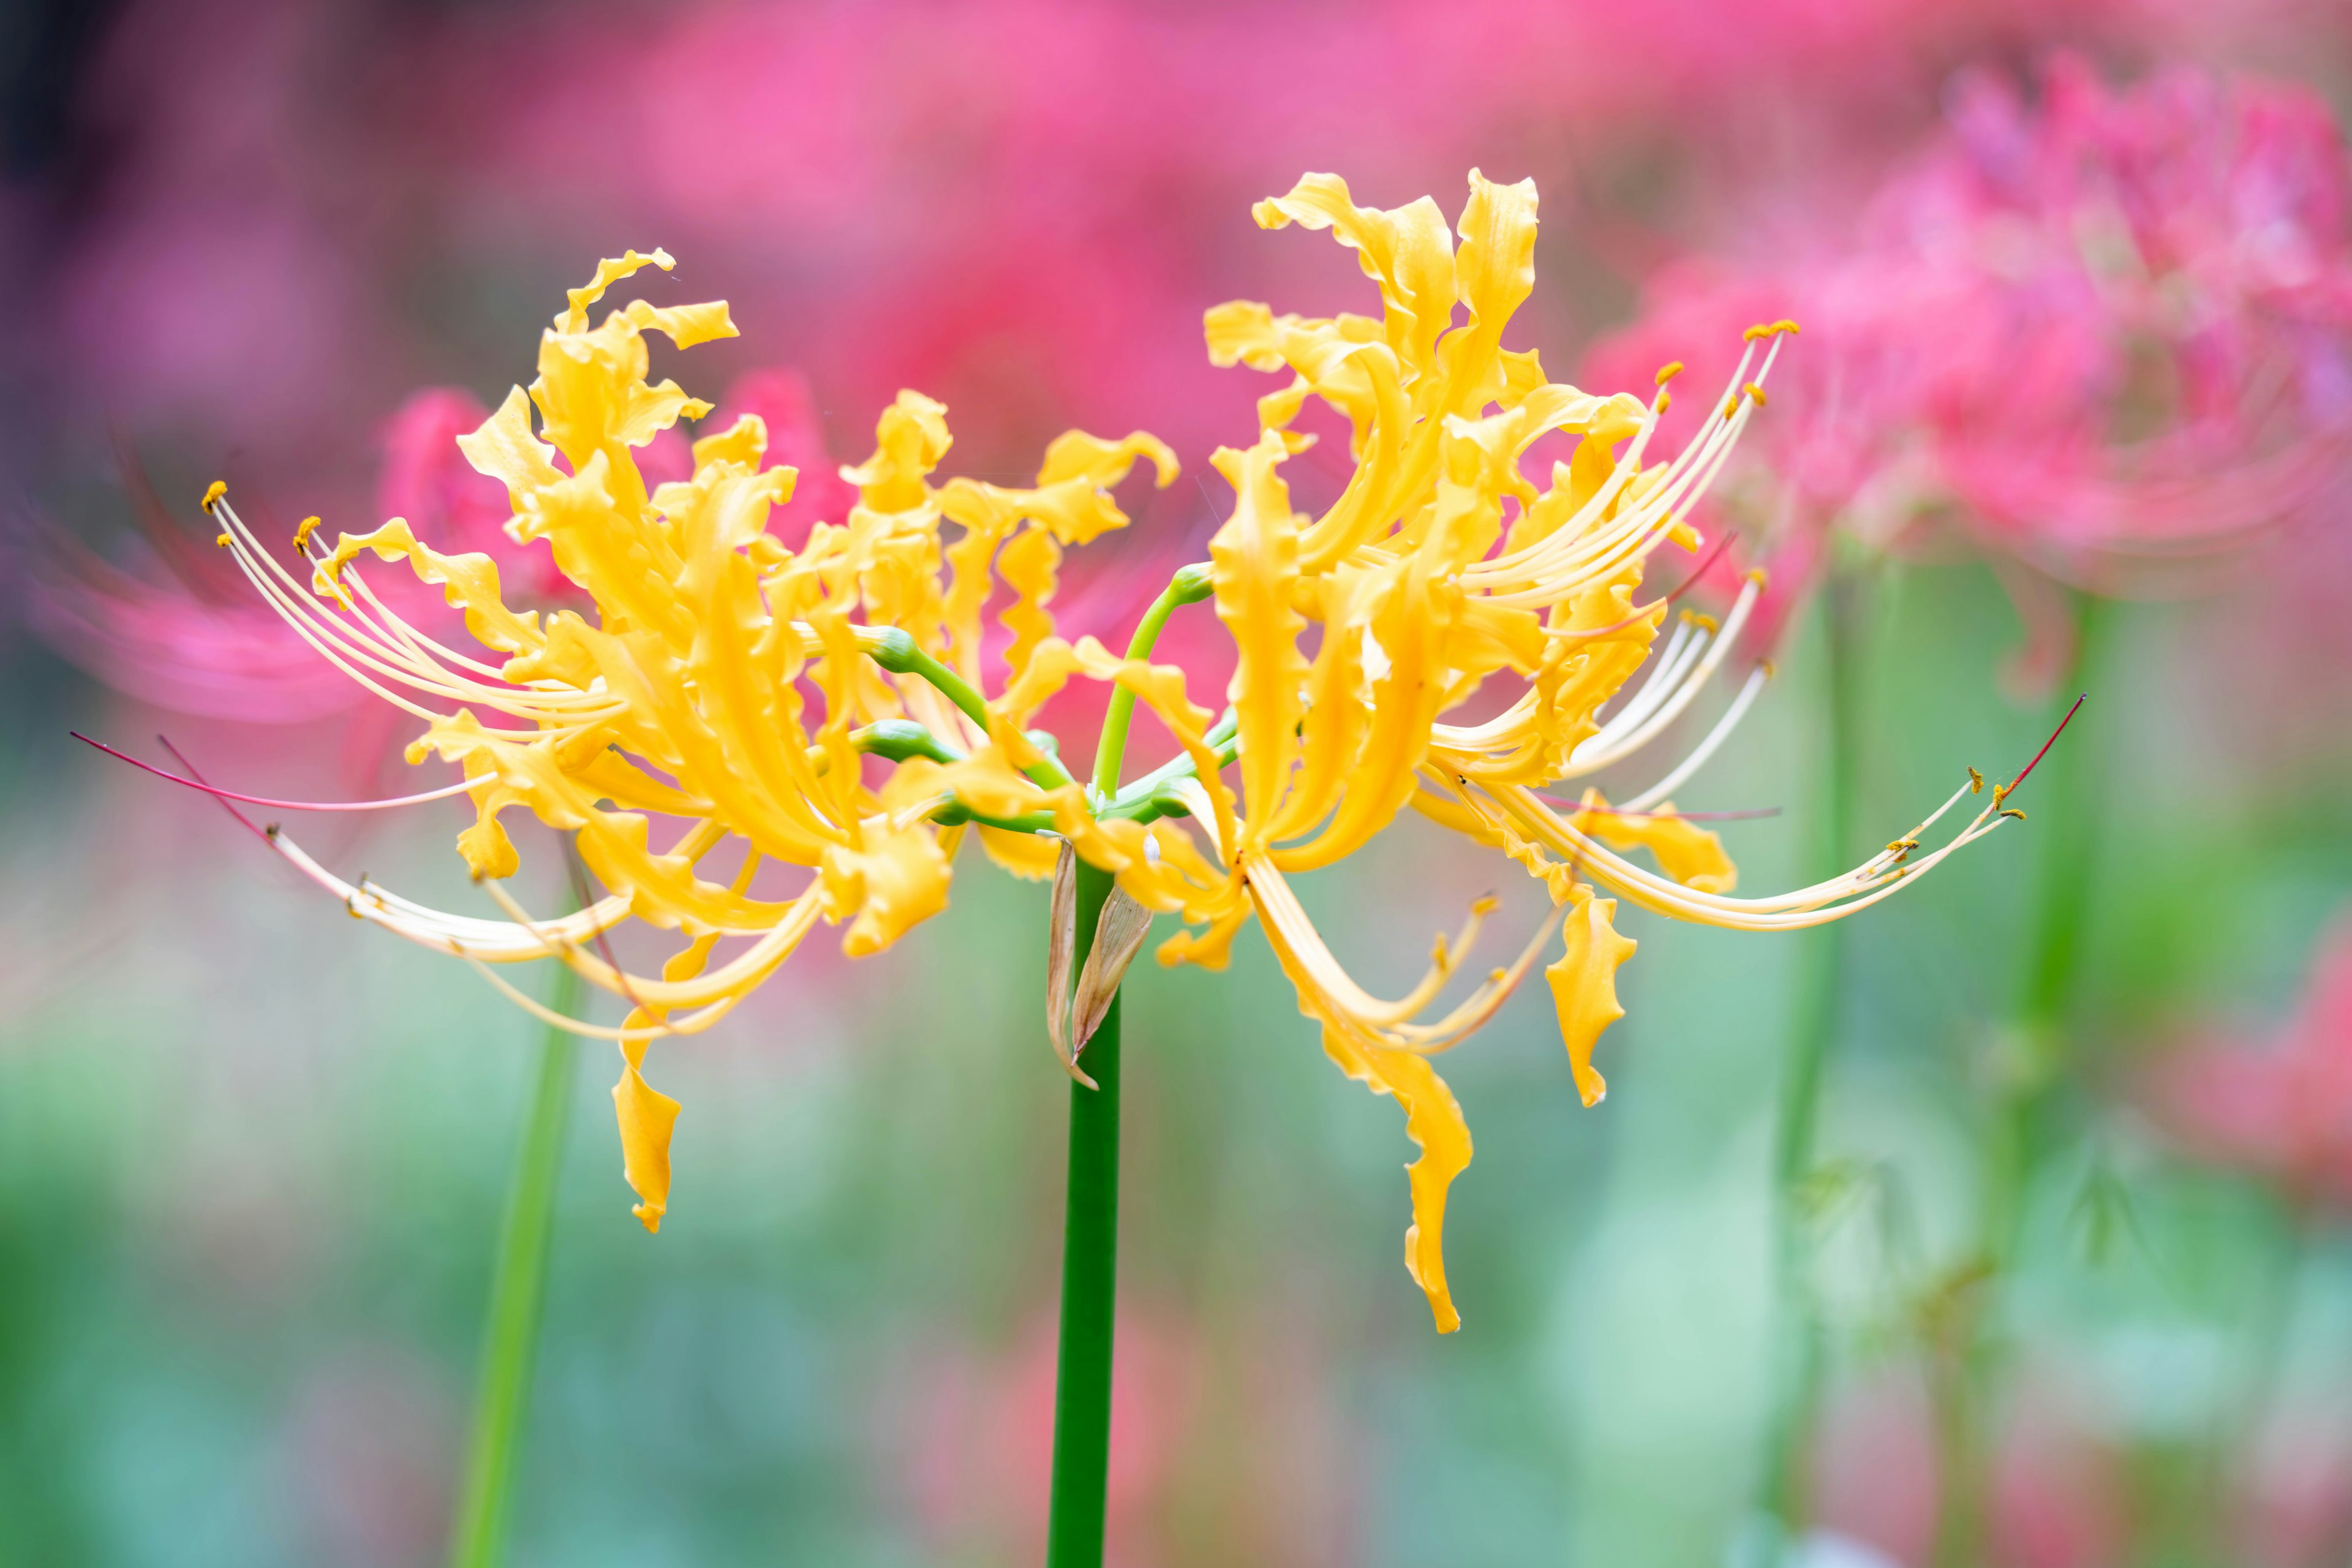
(518, 1290)
(2027, 1073)
(1089, 1280)
(1797, 1349)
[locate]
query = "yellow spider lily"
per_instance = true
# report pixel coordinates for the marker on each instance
(1439, 568)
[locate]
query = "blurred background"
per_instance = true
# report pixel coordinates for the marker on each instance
(2071, 412)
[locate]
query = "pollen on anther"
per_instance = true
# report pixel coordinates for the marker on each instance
(1757, 392)
(2012, 811)
(1667, 372)
(1976, 782)
(213, 493)
(302, 535)
(222, 540)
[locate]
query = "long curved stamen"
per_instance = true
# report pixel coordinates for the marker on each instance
(1690, 581)
(2004, 791)
(1604, 748)
(1707, 748)
(461, 787)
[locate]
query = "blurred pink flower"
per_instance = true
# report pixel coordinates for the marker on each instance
(370, 1451)
(2056, 1494)
(2293, 1507)
(2102, 335)
(977, 1440)
(179, 630)
(1219, 1453)
(2275, 1102)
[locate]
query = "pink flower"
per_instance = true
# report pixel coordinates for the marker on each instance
(2101, 337)
(2055, 1497)
(178, 629)
(2278, 1103)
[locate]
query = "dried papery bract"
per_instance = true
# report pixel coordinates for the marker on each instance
(744, 690)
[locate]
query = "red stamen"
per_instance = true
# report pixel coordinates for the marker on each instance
(165, 743)
(2011, 788)
(1722, 542)
(225, 796)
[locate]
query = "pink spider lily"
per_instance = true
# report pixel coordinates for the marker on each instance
(2104, 337)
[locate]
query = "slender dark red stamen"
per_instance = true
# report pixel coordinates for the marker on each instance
(2011, 788)
(164, 740)
(1722, 543)
(225, 795)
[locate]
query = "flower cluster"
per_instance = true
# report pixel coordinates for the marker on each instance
(2105, 335)
(741, 686)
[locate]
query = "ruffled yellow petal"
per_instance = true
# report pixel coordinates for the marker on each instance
(1584, 985)
(1688, 853)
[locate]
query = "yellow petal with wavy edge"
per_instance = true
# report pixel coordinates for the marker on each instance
(1584, 985)
(469, 583)
(898, 880)
(1434, 1120)
(648, 1118)
(1688, 853)
(1255, 565)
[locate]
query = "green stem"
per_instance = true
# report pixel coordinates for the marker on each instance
(518, 1289)
(1074, 1537)
(893, 648)
(2066, 816)
(1189, 585)
(1796, 1389)
(1074, 1531)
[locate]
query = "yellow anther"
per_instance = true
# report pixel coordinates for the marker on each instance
(302, 535)
(1757, 392)
(1485, 905)
(1668, 371)
(1497, 976)
(1902, 846)
(1703, 621)
(1769, 329)
(1999, 793)
(1769, 669)
(222, 540)
(1976, 782)
(1665, 401)
(214, 491)
(2012, 811)
(1762, 578)
(1730, 406)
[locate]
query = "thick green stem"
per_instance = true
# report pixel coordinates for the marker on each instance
(518, 1291)
(1798, 1349)
(1073, 1536)
(1074, 1531)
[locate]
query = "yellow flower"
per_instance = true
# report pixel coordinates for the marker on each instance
(1439, 568)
